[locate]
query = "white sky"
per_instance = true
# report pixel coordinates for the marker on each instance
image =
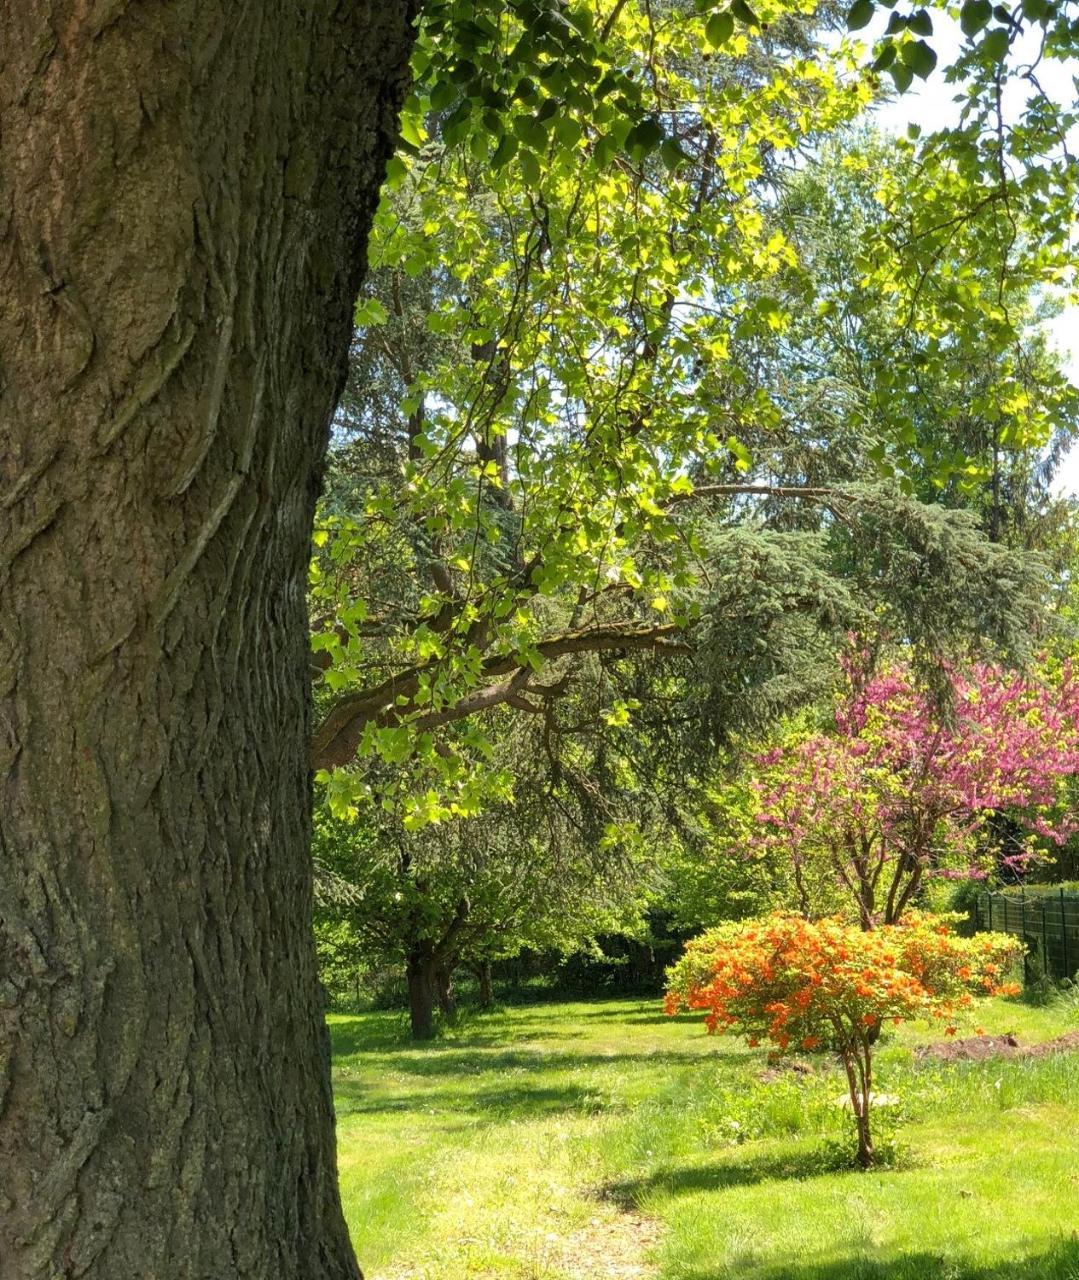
(930, 104)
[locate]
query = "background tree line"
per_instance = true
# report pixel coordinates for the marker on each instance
(587, 534)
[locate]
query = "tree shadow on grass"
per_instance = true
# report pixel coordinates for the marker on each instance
(628, 1193)
(495, 1105)
(468, 1064)
(658, 1017)
(1058, 1263)
(466, 1061)
(388, 1032)
(510, 1083)
(642, 1011)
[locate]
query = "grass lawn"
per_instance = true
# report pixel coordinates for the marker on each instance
(605, 1140)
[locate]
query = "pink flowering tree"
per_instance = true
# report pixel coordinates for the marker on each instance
(902, 790)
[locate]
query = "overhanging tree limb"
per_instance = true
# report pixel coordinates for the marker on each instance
(393, 701)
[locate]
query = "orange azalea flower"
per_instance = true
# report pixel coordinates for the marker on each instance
(797, 974)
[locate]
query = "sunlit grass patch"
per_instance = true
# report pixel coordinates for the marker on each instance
(534, 1143)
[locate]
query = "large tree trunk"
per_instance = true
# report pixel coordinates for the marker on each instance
(422, 977)
(185, 193)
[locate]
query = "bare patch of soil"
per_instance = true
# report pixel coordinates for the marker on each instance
(979, 1048)
(605, 1249)
(782, 1069)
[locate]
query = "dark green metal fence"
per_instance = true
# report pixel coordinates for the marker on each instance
(1047, 921)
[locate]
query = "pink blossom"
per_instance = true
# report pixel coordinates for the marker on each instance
(900, 789)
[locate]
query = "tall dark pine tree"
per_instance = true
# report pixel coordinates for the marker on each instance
(185, 195)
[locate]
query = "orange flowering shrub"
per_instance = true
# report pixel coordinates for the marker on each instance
(801, 983)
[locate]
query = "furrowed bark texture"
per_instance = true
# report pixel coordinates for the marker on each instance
(186, 188)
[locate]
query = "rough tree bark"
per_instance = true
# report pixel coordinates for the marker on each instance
(185, 194)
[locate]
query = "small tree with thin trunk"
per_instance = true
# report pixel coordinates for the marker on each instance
(800, 984)
(904, 788)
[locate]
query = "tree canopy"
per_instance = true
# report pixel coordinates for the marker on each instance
(667, 412)
(654, 399)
